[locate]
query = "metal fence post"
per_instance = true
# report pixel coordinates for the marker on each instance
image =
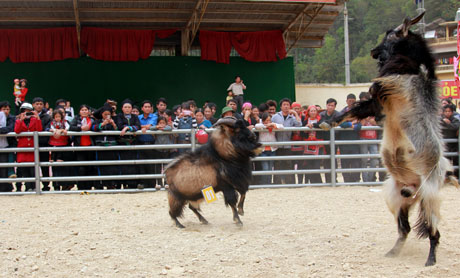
(193, 139)
(37, 163)
(332, 146)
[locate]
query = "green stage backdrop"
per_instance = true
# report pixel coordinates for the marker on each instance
(177, 79)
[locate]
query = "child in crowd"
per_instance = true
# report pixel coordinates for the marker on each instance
(267, 136)
(185, 120)
(311, 121)
(59, 127)
(162, 139)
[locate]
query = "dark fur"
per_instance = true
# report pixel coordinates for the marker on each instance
(233, 173)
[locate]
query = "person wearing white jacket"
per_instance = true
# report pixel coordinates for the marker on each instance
(267, 135)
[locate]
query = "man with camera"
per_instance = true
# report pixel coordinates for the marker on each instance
(27, 121)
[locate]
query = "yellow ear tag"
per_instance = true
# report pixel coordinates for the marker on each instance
(209, 194)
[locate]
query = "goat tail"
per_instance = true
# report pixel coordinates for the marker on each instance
(430, 203)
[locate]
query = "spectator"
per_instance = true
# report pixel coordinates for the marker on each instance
(271, 107)
(232, 104)
(162, 139)
(298, 136)
(327, 117)
(27, 121)
(450, 128)
(255, 114)
(209, 115)
(161, 105)
(4, 128)
(369, 149)
(126, 121)
(312, 121)
(267, 136)
(106, 123)
(263, 107)
(59, 127)
(69, 110)
(200, 119)
(237, 91)
(227, 112)
(20, 92)
(148, 119)
(135, 111)
(185, 120)
(288, 118)
(247, 115)
(12, 142)
(177, 109)
(84, 122)
(350, 163)
(213, 107)
(38, 105)
(193, 106)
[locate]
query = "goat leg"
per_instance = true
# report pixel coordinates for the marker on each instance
(198, 214)
(241, 204)
(434, 241)
(236, 218)
(403, 230)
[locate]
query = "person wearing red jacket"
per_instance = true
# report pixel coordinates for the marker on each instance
(27, 121)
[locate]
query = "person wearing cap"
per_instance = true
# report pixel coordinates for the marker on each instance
(227, 112)
(350, 163)
(5, 107)
(27, 121)
(128, 122)
(38, 105)
(106, 123)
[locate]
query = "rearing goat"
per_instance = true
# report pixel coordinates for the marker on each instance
(405, 95)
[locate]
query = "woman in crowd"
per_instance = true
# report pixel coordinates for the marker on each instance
(298, 136)
(59, 127)
(312, 121)
(200, 119)
(207, 110)
(450, 126)
(267, 135)
(126, 121)
(83, 122)
(106, 123)
(247, 115)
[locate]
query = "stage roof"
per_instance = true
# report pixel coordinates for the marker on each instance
(304, 23)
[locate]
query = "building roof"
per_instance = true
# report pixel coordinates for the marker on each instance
(304, 23)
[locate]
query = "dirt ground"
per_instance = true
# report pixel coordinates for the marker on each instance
(309, 232)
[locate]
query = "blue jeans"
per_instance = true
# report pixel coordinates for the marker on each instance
(267, 166)
(374, 162)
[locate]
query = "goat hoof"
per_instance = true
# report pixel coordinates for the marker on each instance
(204, 221)
(240, 211)
(430, 262)
(239, 223)
(179, 225)
(391, 254)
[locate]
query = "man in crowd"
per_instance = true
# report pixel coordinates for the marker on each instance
(161, 105)
(5, 107)
(328, 116)
(288, 118)
(350, 163)
(271, 107)
(148, 119)
(232, 104)
(237, 89)
(38, 105)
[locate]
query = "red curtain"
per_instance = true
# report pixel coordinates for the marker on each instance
(264, 46)
(38, 45)
(119, 45)
(215, 46)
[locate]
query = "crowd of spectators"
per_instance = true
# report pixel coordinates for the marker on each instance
(263, 118)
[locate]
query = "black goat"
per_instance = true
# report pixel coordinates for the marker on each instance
(223, 162)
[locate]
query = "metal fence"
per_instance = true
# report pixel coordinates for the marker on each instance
(332, 144)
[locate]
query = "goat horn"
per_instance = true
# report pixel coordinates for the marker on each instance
(229, 121)
(417, 19)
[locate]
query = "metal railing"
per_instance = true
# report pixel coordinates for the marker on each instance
(333, 144)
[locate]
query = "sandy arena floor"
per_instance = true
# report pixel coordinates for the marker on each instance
(310, 232)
